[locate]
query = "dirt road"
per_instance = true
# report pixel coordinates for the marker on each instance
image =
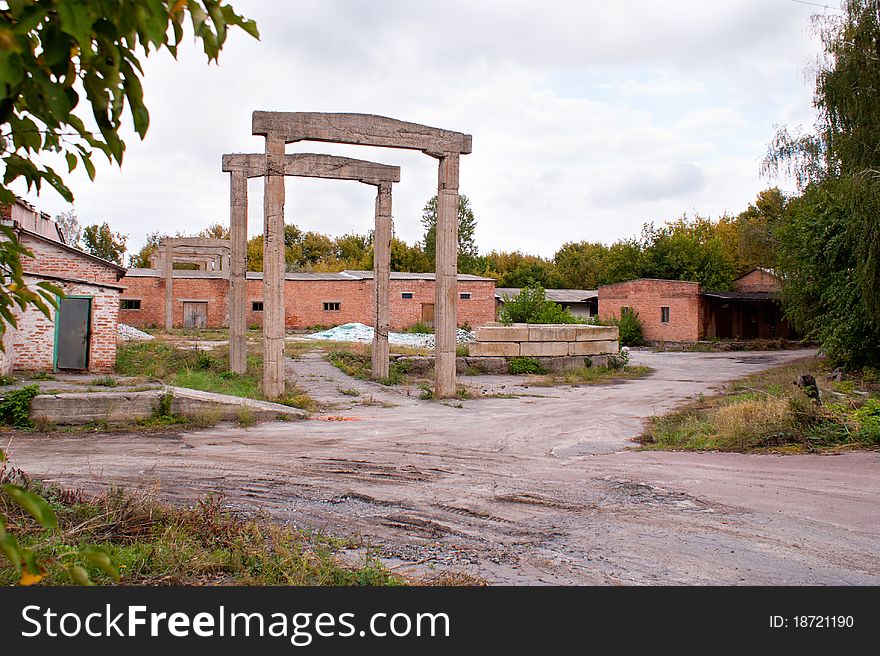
(534, 489)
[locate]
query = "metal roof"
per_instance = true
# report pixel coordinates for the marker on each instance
(404, 275)
(555, 295)
(297, 275)
(742, 296)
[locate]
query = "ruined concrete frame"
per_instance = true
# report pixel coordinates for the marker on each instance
(197, 249)
(281, 128)
(244, 166)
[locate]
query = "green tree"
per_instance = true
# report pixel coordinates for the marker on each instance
(467, 225)
(624, 261)
(102, 242)
(756, 228)
(581, 265)
(830, 239)
(532, 306)
(51, 50)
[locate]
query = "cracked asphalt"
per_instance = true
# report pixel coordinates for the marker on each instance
(542, 488)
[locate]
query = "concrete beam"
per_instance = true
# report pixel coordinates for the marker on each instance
(361, 130)
(310, 165)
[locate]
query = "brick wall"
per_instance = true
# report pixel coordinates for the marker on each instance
(304, 301)
(54, 259)
(758, 280)
(647, 297)
(478, 310)
(33, 342)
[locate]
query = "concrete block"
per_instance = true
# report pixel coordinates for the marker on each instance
(494, 349)
(593, 348)
(544, 348)
(552, 333)
(587, 333)
(486, 365)
(515, 333)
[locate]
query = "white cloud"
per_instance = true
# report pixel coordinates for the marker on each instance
(588, 118)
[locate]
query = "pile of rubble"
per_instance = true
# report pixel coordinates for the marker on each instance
(358, 332)
(130, 334)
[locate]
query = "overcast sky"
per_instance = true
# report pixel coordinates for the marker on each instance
(588, 118)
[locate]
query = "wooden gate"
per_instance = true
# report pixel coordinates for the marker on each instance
(195, 314)
(73, 333)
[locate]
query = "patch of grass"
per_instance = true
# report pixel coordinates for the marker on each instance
(767, 412)
(348, 391)
(247, 385)
(462, 350)
(244, 417)
(296, 398)
(591, 376)
(42, 375)
(420, 329)
(6, 380)
(158, 544)
(359, 365)
(15, 406)
(105, 381)
(524, 365)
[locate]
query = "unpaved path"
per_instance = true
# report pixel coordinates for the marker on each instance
(533, 489)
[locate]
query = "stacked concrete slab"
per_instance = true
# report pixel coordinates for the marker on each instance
(545, 340)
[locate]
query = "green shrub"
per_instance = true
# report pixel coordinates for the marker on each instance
(532, 306)
(15, 406)
(522, 365)
(419, 329)
(630, 327)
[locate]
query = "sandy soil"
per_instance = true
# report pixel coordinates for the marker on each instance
(541, 488)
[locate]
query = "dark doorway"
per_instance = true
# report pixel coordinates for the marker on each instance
(195, 315)
(428, 314)
(74, 324)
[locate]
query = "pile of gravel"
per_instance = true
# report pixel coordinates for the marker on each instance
(130, 334)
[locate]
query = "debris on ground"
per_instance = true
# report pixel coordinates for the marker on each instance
(358, 332)
(131, 334)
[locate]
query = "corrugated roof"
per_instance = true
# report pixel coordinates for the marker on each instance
(297, 275)
(742, 296)
(403, 275)
(555, 295)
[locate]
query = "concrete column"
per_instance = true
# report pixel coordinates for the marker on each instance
(238, 273)
(381, 280)
(168, 266)
(446, 258)
(273, 271)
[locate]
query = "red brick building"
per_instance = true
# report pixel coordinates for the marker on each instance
(679, 311)
(81, 335)
(311, 299)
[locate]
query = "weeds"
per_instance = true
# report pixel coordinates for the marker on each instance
(767, 412)
(105, 381)
(157, 544)
(15, 406)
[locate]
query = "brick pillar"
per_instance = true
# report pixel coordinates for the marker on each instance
(381, 280)
(446, 257)
(238, 273)
(273, 271)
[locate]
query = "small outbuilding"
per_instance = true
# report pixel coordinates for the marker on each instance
(81, 334)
